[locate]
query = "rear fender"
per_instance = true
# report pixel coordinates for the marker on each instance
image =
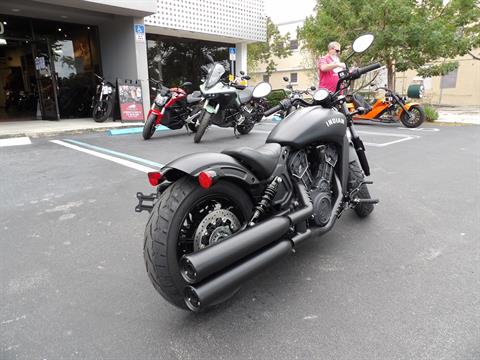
(224, 166)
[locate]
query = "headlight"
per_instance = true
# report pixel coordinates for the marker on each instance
(161, 100)
(214, 75)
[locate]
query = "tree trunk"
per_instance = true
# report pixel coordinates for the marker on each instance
(391, 74)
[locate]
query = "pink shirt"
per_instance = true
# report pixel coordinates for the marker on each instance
(328, 79)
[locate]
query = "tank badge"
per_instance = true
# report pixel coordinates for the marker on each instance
(334, 121)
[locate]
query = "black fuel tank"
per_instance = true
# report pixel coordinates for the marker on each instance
(309, 125)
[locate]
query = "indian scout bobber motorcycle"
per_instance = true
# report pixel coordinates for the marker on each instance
(172, 108)
(218, 219)
(228, 104)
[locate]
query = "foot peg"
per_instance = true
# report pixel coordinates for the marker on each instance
(365, 201)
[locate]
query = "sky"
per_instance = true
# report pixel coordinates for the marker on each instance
(288, 10)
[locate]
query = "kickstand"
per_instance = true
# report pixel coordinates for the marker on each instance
(235, 132)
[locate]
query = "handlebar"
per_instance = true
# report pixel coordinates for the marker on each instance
(356, 73)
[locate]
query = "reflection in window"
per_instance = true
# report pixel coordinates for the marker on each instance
(175, 60)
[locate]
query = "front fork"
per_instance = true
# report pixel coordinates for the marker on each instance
(356, 141)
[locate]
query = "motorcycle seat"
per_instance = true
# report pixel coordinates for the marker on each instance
(262, 160)
(245, 95)
(194, 97)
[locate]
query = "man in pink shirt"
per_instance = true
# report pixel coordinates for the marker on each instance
(328, 67)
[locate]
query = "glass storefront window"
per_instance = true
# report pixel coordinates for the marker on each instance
(47, 67)
(176, 60)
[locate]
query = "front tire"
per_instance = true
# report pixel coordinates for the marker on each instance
(355, 177)
(244, 129)
(417, 120)
(149, 127)
(102, 110)
(173, 220)
(203, 122)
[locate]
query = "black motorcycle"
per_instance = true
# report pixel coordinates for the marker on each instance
(217, 219)
(227, 103)
(102, 102)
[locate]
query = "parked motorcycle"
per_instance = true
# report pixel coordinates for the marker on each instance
(102, 102)
(217, 219)
(228, 104)
(172, 108)
(391, 108)
(295, 94)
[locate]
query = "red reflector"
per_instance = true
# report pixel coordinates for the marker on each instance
(155, 178)
(205, 179)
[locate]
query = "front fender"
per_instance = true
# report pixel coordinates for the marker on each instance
(224, 166)
(409, 105)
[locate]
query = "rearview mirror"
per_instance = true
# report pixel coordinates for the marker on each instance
(363, 42)
(242, 72)
(262, 90)
(285, 78)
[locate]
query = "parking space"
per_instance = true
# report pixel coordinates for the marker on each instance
(73, 281)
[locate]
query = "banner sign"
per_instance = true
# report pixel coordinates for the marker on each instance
(130, 100)
(232, 53)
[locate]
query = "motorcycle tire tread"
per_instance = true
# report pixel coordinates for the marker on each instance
(355, 177)
(203, 123)
(404, 119)
(148, 127)
(160, 249)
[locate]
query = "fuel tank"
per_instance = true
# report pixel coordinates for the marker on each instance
(309, 125)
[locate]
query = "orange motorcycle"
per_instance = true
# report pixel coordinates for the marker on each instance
(391, 108)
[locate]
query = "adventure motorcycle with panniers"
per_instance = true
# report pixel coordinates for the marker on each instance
(227, 103)
(173, 108)
(218, 219)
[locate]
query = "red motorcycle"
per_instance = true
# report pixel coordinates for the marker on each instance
(173, 108)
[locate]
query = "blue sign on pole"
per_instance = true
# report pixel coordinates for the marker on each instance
(232, 52)
(139, 32)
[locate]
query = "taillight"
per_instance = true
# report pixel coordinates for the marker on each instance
(155, 178)
(206, 179)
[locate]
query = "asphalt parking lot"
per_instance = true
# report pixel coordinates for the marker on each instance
(402, 284)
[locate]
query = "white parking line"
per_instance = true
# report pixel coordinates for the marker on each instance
(15, 141)
(114, 159)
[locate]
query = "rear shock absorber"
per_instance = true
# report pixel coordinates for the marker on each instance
(267, 197)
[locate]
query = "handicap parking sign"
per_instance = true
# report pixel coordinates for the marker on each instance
(139, 32)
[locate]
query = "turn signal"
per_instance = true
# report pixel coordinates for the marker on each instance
(206, 179)
(155, 178)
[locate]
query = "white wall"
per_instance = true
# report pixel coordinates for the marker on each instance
(122, 56)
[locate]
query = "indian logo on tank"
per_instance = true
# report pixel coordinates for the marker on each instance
(334, 121)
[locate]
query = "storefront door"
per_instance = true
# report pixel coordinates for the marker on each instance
(46, 80)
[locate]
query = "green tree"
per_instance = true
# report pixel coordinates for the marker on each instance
(277, 45)
(410, 34)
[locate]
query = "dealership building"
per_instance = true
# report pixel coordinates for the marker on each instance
(51, 49)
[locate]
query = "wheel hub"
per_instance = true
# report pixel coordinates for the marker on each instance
(215, 227)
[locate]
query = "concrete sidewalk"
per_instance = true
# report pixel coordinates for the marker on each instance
(459, 115)
(37, 128)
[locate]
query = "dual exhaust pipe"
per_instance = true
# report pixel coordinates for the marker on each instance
(217, 271)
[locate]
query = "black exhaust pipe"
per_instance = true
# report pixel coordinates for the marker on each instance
(206, 293)
(197, 266)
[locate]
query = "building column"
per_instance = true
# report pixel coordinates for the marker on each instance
(123, 56)
(241, 62)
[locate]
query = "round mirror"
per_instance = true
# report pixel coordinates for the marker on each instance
(363, 42)
(321, 94)
(261, 90)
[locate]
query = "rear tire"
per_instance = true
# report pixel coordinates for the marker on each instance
(149, 127)
(355, 177)
(102, 110)
(417, 121)
(162, 250)
(203, 122)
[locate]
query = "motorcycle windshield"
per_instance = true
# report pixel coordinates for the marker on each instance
(214, 75)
